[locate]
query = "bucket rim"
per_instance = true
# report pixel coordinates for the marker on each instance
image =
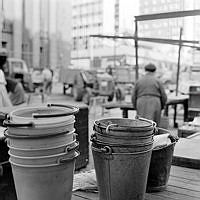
(128, 137)
(116, 127)
(39, 157)
(14, 136)
(41, 149)
(124, 144)
(164, 147)
(77, 153)
(35, 110)
(118, 153)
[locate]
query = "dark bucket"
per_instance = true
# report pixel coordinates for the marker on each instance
(121, 176)
(160, 165)
(121, 127)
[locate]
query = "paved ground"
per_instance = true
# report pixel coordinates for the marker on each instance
(94, 112)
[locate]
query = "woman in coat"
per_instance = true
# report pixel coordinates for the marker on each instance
(149, 96)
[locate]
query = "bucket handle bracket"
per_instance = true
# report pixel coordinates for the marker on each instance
(70, 148)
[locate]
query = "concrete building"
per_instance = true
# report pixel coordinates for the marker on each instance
(170, 28)
(91, 17)
(37, 31)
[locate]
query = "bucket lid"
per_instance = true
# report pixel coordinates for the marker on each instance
(124, 124)
(49, 115)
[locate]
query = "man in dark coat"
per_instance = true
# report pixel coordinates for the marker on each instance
(149, 96)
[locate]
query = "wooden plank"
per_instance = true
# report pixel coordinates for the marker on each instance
(184, 184)
(186, 153)
(79, 195)
(185, 173)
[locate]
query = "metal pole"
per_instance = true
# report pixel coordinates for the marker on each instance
(136, 51)
(91, 52)
(178, 64)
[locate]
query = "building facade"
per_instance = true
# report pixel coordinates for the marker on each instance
(100, 17)
(170, 28)
(37, 31)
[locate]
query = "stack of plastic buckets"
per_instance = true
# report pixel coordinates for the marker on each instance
(42, 145)
(122, 150)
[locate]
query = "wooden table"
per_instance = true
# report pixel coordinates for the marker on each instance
(183, 184)
(172, 101)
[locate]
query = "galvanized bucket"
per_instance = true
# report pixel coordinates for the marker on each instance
(121, 175)
(122, 150)
(160, 164)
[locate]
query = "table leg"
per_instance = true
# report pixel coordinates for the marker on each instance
(185, 105)
(124, 113)
(166, 110)
(175, 112)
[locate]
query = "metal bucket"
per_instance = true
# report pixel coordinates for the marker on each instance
(121, 127)
(160, 165)
(128, 140)
(122, 148)
(121, 175)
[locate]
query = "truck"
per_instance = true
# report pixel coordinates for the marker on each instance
(87, 83)
(16, 68)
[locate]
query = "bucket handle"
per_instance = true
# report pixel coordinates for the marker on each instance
(109, 126)
(8, 123)
(173, 138)
(105, 149)
(65, 160)
(147, 120)
(74, 111)
(70, 148)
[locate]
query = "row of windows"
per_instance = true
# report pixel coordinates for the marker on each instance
(84, 43)
(87, 26)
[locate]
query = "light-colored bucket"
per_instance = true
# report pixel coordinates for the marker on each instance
(26, 142)
(43, 120)
(48, 182)
(43, 151)
(40, 160)
(44, 129)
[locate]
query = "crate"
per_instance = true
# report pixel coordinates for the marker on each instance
(81, 126)
(186, 130)
(194, 97)
(192, 113)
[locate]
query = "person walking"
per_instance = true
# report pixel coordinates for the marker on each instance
(149, 96)
(48, 77)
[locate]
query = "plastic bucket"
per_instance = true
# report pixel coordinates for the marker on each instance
(124, 127)
(160, 165)
(121, 175)
(32, 121)
(37, 142)
(40, 160)
(43, 151)
(132, 140)
(46, 182)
